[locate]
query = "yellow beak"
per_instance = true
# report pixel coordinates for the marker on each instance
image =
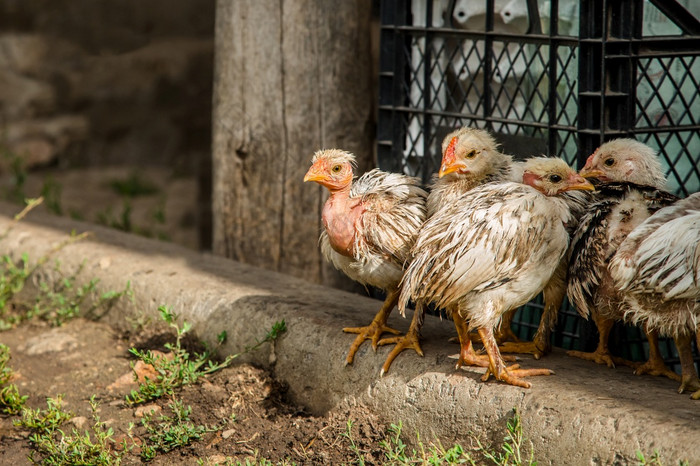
(578, 183)
(591, 172)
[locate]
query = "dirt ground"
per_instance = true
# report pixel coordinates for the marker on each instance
(84, 358)
(247, 406)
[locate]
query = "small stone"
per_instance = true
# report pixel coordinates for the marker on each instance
(79, 422)
(228, 433)
(141, 411)
(53, 341)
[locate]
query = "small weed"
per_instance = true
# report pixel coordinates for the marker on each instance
(55, 447)
(171, 432)
(394, 447)
(12, 280)
(133, 186)
(181, 369)
(353, 446)
(120, 222)
(159, 212)
(654, 459)
(396, 452)
(51, 192)
(11, 402)
(45, 421)
(18, 174)
(55, 303)
(512, 445)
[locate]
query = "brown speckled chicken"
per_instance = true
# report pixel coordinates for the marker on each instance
(369, 227)
(493, 249)
(470, 158)
(657, 270)
(631, 188)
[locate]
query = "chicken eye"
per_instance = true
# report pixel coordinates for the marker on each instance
(554, 178)
(336, 168)
(609, 162)
(471, 154)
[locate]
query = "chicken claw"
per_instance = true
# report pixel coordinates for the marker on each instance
(597, 356)
(511, 375)
(529, 347)
(372, 332)
(410, 340)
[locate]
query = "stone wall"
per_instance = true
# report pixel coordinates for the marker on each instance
(90, 82)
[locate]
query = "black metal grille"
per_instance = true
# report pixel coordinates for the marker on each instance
(558, 80)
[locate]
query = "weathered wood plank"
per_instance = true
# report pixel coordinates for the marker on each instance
(291, 77)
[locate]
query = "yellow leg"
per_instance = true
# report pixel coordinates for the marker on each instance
(510, 375)
(602, 354)
(410, 340)
(689, 377)
(374, 330)
(655, 365)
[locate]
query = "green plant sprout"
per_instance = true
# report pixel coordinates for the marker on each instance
(182, 368)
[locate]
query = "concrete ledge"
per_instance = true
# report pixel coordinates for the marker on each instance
(585, 414)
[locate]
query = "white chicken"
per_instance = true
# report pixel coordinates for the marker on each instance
(470, 158)
(631, 188)
(369, 227)
(657, 269)
(491, 250)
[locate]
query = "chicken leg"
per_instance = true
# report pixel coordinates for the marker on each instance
(655, 364)
(410, 340)
(511, 375)
(601, 355)
(375, 329)
(467, 355)
(689, 378)
(553, 297)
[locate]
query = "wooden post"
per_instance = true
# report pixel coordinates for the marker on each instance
(290, 77)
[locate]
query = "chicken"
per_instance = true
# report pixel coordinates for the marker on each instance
(470, 158)
(491, 250)
(631, 188)
(369, 227)
(657, 270)
(555, 291)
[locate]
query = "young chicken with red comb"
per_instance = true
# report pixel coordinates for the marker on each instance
(369, 227)
(470, 158)
(493, 249)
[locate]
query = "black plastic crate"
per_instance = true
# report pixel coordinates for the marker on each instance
(556, 78)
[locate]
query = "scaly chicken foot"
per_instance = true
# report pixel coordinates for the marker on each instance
(467, 355)
(601, 355)
(523, 347)
(511, 375)
(375, 329)
(655, 365)
(689, 377)
(410, 340)
(504, 334)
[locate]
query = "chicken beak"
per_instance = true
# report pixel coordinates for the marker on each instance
(313, 175)
(577, 182)
(451, 167)
(450, 164)
(587, 172)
